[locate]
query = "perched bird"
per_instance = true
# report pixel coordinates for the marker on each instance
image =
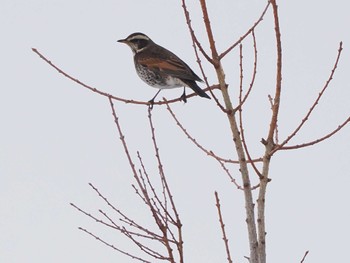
(160, 68)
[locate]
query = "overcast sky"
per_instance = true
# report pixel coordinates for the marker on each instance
(56, 137)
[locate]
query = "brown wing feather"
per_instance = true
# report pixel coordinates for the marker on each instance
(166, 62)
(162, 65)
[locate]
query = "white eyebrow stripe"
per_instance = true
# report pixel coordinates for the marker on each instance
(139, 37)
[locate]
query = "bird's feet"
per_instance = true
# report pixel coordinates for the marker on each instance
(151, 103)
(183, 96)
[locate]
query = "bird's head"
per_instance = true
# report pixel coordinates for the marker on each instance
(137, 42)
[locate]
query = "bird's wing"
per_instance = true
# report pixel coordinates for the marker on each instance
(172, 66)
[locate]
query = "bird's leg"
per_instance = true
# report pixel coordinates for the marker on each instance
(151, 102)
(183, 96)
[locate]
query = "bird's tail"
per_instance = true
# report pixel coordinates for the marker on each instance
(193, 85)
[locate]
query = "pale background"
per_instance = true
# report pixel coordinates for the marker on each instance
(56, 137)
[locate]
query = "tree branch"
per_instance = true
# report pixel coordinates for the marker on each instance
(269, 141)
(249, 204)
(110, 96)
(240, 115)
(246, 34)
(327, 136)
(221, 220)
(112, 246)
(195, 43)
(314, 104)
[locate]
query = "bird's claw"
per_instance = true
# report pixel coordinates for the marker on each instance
(183, 97)
(150, 104)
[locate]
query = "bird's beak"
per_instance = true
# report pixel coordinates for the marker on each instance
(122, 41)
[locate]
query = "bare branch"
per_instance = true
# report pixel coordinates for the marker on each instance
(145, 248)
(93, 217)
(148, 235)
(159, 202)
(193, 35)
(124, 218)
(211, 153)
(314, 104)
(210, 34)
(195, 43)
(224, 237)
(242, 101)
(123, 230)
(158, 217)
(167, 195)
(112, 246)
(298, 146)
(276, 129)
(241, 110)
(122, 138)
(240, 73)
(248, 196)
(246, 34)
(110, 96)
(208, 152)
(269, 141)
(277, 96)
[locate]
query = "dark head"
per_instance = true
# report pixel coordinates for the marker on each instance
(137, 42)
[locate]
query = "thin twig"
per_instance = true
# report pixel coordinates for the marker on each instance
(145, 248)
(124, 218)
(128, 232)
(167, 194)
(269, 141)
(253, 76)
(277, 96)
(193, 35)
(143, 193)
(221, 220)
(248, 196)
(110, 96)
(241, 112)
(208, 152)
(276, 130)
(122, 138)
(314, 104)
(240, 73)
(131, 163)
(246, 34)
(154, 191)
(112, 246)
(298, 146)
(158, 219)
(197, 43)
(93, 217)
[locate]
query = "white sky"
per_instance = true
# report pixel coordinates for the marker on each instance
(56, 137)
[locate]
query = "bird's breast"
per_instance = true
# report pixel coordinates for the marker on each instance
(158, 79)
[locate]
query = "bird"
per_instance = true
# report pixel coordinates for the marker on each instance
(160, 68)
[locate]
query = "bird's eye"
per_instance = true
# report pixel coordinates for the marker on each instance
(141, 43)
